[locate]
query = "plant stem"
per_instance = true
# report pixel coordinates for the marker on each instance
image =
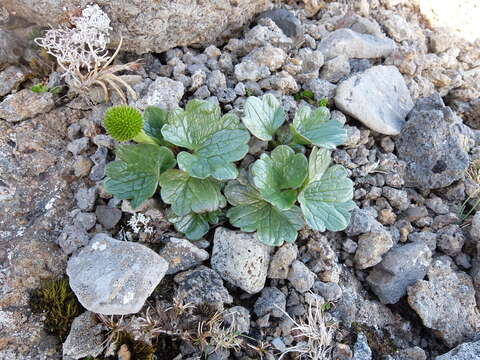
(143, 138)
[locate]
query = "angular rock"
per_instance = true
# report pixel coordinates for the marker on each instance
(152, 25)
(371, 247)
(401, 267)
(114, 277)
(377, 97)
(286, 21)
(361, 350)
(85, 338)
(271, 301)
(361, 222)
(73, 237)
(398, 28)
(301, 277)
(250, 71)
(432, 145)
(11, 48)
(465, 351)
(355, 45)
(451, 239)
(475, 227)
(182, 255)
(269, 56)
(164, 93)
(202, 285)
(328, 290)
(322, 89)
(281, 261)
(335, 69)
(446, 303)
(24, 105)
(78, 146)
(240, 259)
(107, 216)
(85, 198)
(10, 79)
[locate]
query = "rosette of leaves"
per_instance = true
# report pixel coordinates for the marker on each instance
(292, 185)
(265, 200)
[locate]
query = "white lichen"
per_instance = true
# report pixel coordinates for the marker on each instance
(81, 52)
(83, 46)
(99, 245)
(139, 222)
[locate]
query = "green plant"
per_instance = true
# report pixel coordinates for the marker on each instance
(306, 95)
(40, 88)
(293, 184)
(248, 92)
(323, 102)
(58, 303)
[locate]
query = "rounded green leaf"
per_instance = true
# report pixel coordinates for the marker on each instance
(250, 213)
(263, 117)
(315, 127)
(154, 119)
(188, 194)
(327, 200)
(277, 175)
(216, 141)
(135, 174)
(194, 226)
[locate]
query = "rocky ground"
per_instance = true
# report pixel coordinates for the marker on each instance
(401, 282)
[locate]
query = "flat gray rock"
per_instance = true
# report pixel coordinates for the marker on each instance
(401, 267)
(465, 351)
(25, 104)
(377, 97)
(433, 144)
(182, 255)
(355, 45)
(446, 303)
(85, 338)
(164, 93)
(113, 277)
(240, 259)
(202, 285)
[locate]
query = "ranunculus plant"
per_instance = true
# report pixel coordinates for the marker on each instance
(192, 156)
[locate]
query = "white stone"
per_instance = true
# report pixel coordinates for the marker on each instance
(378, 97)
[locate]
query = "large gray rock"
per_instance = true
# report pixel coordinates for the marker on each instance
(114, 277)
(85, 338)
(152, 25)
(465, 351)
(433, 145)
(378, 97)
(355, 45)
(401, 267)
(25, 104)
(240, 259)
(446, 303)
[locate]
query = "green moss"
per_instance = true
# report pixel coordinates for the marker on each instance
(140, 350)
(57, 301)
(380, 341)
